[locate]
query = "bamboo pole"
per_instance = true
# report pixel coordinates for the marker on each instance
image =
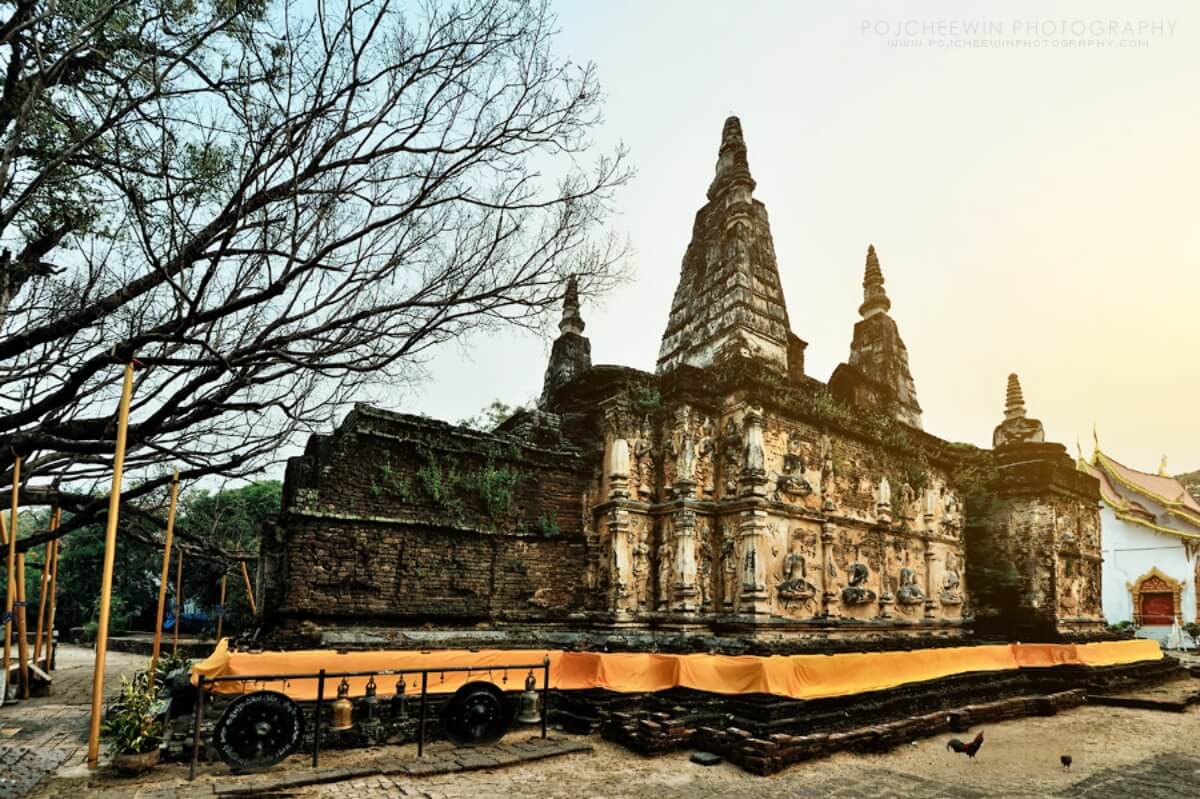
(11, 594)
(178, 603)
(41, 617)
(22, 622)
(53, 596)
(249, 590)
(166, 574)
(7, 616)
(221, 617)
(110, 552)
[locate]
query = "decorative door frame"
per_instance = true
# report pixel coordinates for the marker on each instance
(1155, 582)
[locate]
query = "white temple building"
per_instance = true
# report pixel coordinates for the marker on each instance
(1150, 537)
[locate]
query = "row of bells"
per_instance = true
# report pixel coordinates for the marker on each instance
(343, 708)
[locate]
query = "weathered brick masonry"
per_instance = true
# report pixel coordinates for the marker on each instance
(727, 501)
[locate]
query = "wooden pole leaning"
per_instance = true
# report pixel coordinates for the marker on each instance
(22, 622)
(110, 551)
(178, 604)
(53, 596)
(41, 617)
(8, 600)
(221, 612)
(249, 590)
(166, 574)
(10, 538)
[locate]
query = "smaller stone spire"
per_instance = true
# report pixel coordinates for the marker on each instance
(1016, 428)
(571, 321)
(875, 298)
(1014, 400)
(571, 354)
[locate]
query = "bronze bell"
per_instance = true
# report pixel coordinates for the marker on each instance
(400, 701)
(370, 703)
(343, 710)
(529, 702)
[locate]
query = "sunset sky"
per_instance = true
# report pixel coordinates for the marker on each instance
(1032, 201)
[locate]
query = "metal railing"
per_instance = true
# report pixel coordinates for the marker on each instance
(323, 675)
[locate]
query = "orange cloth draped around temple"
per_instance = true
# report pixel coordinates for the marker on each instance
(795, 676)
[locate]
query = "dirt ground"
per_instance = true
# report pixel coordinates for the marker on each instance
(1018, 758)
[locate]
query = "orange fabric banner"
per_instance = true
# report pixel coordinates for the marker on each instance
(795, 676)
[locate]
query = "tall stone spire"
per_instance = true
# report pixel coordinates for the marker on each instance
(875, 298)
(728, 303)
(571, 354)
(1016, 427)
(877, 349)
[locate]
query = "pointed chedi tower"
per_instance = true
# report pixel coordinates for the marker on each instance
(877, 349)
(572, 352)
(729, 303)
(1016, 427)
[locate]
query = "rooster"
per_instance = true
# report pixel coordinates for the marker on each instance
(968, 749)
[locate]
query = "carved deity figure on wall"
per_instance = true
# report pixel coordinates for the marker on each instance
(705, 469)
(729, 566)
(907, 497)
(951, 580)
(857, 593)
(731, 456)
(794, 585)
(641, 568)
(666, 562)
(705, 571)
(643, 470)
(909, 593)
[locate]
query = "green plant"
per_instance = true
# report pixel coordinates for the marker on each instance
(131, 724)
(89, 631)
(644, 398)
(1192, 629)
(169, 663)
(391, 480)
(497, 486)
(546, 525)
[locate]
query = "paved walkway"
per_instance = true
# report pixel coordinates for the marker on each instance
(41, 735)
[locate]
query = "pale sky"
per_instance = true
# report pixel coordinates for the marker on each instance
(1032, 204)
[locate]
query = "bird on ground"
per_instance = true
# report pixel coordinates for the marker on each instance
(1066, 761)
(968, 749)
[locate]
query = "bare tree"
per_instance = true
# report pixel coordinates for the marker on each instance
(270, 208)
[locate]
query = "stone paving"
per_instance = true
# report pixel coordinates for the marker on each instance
(40, 735)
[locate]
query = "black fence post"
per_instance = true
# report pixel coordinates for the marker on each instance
(421, 718)
(317, 716)
(545, 694)
(196, 726)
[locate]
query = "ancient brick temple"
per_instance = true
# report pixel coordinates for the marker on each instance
(727, 500)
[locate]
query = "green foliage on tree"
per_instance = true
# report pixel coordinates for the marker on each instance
(231, 518)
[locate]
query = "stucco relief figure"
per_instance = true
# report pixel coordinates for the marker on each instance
(643, 471)
(951, 580)
(729, 566)
(731, 456)
(705, 469)
(705, 572)
(641, 569)
(666, 562)
(907, 496)
(794, 587)
(857, 593)
(909, 593)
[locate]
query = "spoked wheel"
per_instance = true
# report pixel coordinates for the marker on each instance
(476, 715)
(259, 730)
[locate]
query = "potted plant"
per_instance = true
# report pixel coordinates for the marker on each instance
(132, 727)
